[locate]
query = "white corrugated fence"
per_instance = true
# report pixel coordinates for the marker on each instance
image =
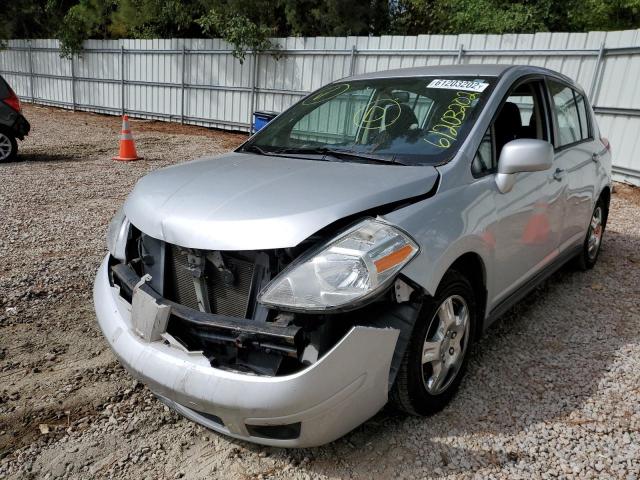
(198, 81)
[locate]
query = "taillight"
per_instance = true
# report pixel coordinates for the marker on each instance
(13, 101)
(606, 143)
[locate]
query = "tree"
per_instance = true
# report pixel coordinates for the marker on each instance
(157, 19)
(250, 24)
(32, 18)
(87, 19)
(510, 16)
(246, 24)
(336, 17)
(603, 15)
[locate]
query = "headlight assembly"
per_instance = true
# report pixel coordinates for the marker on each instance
(346, 271)
(117, 235)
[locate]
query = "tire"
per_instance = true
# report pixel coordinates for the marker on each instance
(419, 389)
(8, 147)
(593, 241)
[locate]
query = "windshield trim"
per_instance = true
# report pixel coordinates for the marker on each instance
(358, 78)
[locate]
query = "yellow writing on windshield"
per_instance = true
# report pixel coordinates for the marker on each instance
(445, 131)
(326, 94)
(381, 113)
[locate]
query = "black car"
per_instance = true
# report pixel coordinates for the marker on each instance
(13, 125)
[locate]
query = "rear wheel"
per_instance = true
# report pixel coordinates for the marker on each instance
(436, 357)
(591, 247)
(8, 147)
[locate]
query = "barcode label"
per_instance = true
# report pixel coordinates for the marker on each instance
(466, 85)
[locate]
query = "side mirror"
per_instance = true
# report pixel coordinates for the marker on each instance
(522, 155)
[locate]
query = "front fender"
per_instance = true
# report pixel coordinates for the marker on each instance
(447, 226)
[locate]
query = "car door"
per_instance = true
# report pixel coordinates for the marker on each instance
(529, 218)
(576, 169)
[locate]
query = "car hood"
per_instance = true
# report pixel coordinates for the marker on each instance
(241, 201)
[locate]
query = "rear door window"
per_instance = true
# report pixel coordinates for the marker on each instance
(566, 114)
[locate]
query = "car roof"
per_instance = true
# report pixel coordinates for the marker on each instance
(473, 70)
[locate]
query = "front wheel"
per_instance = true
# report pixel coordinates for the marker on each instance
(436, 356)
(8, 147)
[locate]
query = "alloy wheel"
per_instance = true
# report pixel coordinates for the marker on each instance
(445, 344)
(5, 147)
(595, 233)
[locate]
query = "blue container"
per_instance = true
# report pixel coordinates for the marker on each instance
(260, 119)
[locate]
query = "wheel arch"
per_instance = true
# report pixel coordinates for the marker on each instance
(7, 131)
(472, 267)
(605, 195)
(404, 316)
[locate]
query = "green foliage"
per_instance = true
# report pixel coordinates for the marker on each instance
(511, 16)
(336, 17)
(249, 25)
(156, 19)
(31, 18)
(237, 28)
(492, 16)
(603, 15)
(87, 19)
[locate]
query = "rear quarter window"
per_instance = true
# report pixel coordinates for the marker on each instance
(585, 127)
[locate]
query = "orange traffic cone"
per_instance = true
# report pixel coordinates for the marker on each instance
(127, 145)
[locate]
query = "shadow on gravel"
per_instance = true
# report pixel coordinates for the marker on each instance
(541, 361)
(49, 157)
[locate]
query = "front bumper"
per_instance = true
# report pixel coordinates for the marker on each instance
(21, 127)
(348, 385)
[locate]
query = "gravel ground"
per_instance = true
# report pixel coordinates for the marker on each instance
(553, 390)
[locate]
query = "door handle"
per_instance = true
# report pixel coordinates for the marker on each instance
(558, 174)
(595, 157)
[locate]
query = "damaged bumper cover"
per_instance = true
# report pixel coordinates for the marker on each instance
(316, 405)
(238, 331)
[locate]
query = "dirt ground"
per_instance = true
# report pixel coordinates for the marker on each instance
(553, 390)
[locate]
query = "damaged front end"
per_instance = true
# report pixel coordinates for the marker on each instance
(212, 306)
(199, 327)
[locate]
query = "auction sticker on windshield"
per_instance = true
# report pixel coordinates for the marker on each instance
(468, 85)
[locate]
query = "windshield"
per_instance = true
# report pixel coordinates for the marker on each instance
(412, 121)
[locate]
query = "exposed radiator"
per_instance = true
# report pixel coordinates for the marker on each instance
(225, 297)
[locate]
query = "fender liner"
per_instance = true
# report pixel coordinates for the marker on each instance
(402, 317)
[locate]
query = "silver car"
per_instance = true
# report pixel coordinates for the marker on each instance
(349, 253)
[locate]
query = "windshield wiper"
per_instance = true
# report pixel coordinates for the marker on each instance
(339, 154)
(255, 149)
(324, 151)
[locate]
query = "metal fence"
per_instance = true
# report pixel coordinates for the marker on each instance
(198, 81)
